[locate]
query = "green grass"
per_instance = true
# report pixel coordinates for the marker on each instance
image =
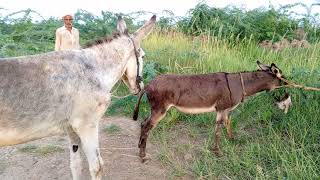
(43, 150)
(268, 144)
(28, 148)
(112, 129)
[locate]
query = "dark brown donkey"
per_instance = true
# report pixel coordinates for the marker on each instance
(220, 92)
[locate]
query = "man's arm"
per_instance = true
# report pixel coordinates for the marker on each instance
(58, 41)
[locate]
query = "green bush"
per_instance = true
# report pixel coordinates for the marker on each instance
(262, 23)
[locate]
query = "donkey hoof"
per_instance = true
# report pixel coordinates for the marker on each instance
(142, 154)
(145, 159)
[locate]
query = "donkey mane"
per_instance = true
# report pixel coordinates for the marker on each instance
(103, 40)
(254, 71)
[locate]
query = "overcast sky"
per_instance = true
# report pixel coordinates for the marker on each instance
(58, 8)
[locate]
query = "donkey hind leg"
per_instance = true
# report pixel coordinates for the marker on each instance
(227, 124)
(75, 157)
(88, 134)
(221, 116)
(146, 126)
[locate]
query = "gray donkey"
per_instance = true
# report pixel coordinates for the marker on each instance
(68, 92)
(215, 92)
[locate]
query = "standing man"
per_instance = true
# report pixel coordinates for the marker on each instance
(67, 37)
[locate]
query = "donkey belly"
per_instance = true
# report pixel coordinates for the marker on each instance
(18, 127)
(12, 136)
(196, 110)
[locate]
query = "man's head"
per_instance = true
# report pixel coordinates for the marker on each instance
(67, 19)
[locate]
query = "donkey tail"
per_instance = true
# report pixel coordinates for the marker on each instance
(136, 109)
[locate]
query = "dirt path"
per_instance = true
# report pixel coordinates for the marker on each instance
(48, 158)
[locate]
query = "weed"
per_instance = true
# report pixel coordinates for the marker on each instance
(41, 150)
(112, 129)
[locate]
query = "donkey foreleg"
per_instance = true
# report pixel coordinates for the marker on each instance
(87, 128)
(75, 157)
(90, 145)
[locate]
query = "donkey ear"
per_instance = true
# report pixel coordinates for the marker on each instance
(274, 70)
(122, 26)
(263, 67)
(145, 30)
(273, 64)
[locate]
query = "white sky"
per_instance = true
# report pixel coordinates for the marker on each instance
(58, 8)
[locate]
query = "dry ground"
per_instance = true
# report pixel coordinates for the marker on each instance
(48, 158)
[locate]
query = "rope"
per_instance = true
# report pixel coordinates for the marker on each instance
(119, 97)
(243, 90)
(138, 77)
(291, 84)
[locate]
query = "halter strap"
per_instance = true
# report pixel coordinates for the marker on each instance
(230, 94)
(242, 86)
(136, 53)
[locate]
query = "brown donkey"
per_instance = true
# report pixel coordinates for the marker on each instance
(220, 92)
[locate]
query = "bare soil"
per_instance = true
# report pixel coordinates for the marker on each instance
(48, 158)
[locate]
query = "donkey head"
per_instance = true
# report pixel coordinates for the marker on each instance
(274, 72)
(132, 76)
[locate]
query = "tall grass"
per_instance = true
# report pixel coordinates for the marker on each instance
(268, 143)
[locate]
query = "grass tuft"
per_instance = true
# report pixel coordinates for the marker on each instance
(112, 129)
(42, 150)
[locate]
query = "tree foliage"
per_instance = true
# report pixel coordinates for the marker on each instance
(20, 34)
(261, 24)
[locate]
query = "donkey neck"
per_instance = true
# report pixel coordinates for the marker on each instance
(111, 59)
(257, 81)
